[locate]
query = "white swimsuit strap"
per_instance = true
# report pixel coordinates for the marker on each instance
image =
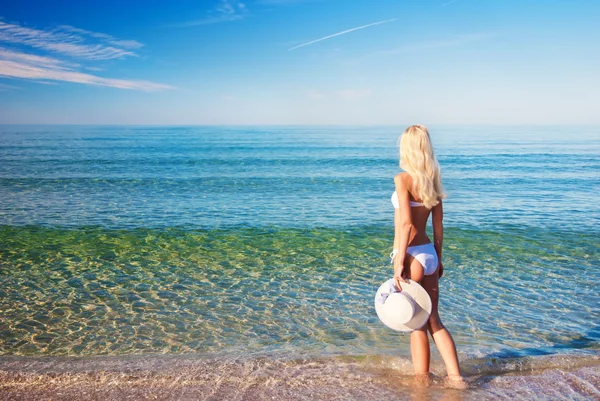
(397, 205)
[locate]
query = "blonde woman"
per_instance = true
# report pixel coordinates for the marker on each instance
(418, 194)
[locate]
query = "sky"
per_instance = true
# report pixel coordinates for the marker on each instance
(288, 62)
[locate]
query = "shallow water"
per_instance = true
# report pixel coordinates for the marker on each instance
(91, 291)
(252, 243)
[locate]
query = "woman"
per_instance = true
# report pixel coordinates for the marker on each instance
(418, 194)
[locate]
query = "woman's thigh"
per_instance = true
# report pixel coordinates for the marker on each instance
(431, 285)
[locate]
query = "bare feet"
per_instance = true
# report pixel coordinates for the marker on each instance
(423, 379)
(456, 382)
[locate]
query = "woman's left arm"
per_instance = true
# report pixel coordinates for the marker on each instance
(402, 228)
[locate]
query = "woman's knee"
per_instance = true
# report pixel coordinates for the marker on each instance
(435, 323)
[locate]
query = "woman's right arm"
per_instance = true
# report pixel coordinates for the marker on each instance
(402, 228)
(437, 215)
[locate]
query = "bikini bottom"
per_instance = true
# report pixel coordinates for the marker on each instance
(425, 254)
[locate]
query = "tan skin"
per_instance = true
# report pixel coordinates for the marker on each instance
(410, 224)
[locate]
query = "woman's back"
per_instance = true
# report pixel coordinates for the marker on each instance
(419, 213)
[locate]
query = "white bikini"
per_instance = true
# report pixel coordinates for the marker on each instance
(425, 253)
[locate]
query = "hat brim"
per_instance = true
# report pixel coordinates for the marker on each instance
(422, 303)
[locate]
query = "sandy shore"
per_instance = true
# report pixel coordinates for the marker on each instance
(170, 378)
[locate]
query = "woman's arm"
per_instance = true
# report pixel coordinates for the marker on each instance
(437, 215)
(402, 227)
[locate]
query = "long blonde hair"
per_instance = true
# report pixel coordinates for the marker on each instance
(418, 160)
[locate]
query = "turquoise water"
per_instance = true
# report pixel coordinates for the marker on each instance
(271, 241)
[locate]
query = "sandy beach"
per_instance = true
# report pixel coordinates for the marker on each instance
(172, 378)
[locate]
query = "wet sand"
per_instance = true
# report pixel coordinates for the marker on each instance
(182, 378)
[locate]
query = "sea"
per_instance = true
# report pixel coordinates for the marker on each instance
(232, 262)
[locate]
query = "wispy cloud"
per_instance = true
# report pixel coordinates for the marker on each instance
(69, 41)
(434, 44)
(15, 69)
(225, 10)
(33, 59)
(341, 33)
(130, 44)
(448, 3)
(73, 46)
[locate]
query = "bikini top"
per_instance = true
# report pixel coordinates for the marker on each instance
(397, 206)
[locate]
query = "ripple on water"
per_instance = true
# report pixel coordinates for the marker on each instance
(205, 290)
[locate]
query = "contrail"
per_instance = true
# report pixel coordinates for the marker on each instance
(341, 33)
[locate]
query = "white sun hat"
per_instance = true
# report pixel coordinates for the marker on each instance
(405, 310)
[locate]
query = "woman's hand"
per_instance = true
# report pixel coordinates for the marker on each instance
(440, 269)
(399, 274)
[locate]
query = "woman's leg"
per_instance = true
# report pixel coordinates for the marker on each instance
(419, 342)
(419, 349)
(441, 336)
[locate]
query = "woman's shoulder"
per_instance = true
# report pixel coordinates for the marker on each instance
(403, 178)
(404, 183)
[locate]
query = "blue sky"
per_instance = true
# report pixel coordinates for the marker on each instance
(229, 62)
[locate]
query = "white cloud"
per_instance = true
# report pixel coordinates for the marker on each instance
(69, 41)
(131, 44)
(33, 59)
(53, 72)
(75, 43)
(46, 82)
(225, 10)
